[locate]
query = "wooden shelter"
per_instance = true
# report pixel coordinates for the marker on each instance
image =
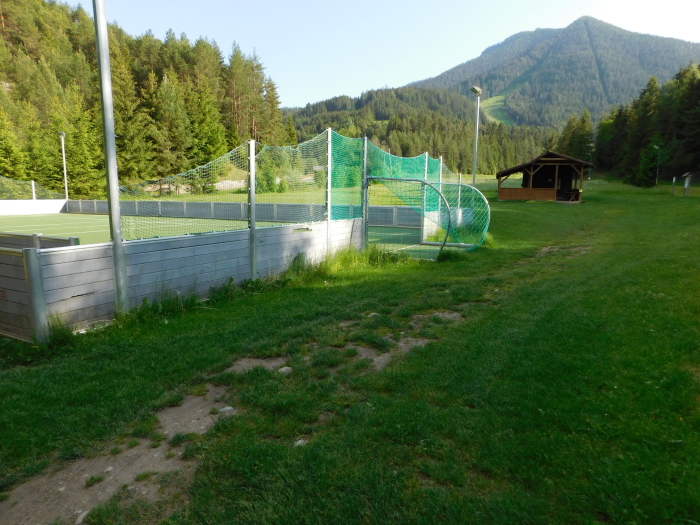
(550, 177)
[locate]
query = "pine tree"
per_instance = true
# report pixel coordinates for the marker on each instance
(12, 158)
(641, 132)
(291, 132)
(131, 121)
(171, 131)
(84, 154)
(208, 133)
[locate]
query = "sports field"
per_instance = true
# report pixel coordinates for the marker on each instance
(90, 229)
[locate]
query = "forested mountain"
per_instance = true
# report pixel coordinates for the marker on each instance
(548, 74)
(409, 121)
(178, 104)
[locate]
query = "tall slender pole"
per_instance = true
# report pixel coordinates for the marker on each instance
(365, 200)
(329, 185)
(253, 242)
(476, 139)
(110, 150)
(63, 152)
(658, 158)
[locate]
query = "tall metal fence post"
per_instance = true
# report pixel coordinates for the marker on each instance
(33, 191)
(253, 254)
(35, 289)
(365, 200)
(329, 184)
(110, 150)
(422, 219)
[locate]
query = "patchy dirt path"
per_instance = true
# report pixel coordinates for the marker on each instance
(66, 496)
(63, 496)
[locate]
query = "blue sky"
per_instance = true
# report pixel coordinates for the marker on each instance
(315, 50)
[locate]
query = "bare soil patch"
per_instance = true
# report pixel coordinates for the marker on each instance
(248, 363)
(62, 496)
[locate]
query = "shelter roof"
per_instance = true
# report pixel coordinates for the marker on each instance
(548, 157)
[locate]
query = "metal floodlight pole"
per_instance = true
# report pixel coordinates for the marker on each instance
(252, 239)
(365, 200)
(477, 92)
(65, 170)
(110, 150)
(658, 158)
(329, 185)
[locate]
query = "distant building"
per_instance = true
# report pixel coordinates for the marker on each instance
(549, 177)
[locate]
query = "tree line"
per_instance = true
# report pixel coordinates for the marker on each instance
(177, 104)
(410, 121)
(660, 128)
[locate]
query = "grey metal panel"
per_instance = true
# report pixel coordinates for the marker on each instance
(56, 270)
(407, 217)
(13, 272)
(128, 207)
(12, 284)
(12, 330)
(199, 210)
(83, 302)
(230, 210)
(53, 243)
(63, 281)
(381, 215)
(296, 245)
(11, 260)
(172, 209)
(151, 245)
(15, 320)
(163, 267)
(75, 254)
(79, 288)
(172, 274)
(173, 256)
(16, 307)
(282, 236)
(265, 212)
(280, 231)
(148, 208)
(101, 207)
(83, 317)
(73, 206)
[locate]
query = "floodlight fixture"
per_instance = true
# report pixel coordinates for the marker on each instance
(476, 90)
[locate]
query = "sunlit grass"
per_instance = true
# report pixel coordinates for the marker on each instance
(568, 394)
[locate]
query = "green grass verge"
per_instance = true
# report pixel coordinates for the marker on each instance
(569, 394)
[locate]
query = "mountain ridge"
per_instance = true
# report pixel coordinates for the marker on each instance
(551, 73)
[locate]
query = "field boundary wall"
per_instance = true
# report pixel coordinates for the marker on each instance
(388, 216)
(75, 284)
(32, 207)
(19, 241)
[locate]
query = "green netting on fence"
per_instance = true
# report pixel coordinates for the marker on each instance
(292, 188)
(11, 189)
(383, 164)
(213, 197)
(346, 182)
(291, 183)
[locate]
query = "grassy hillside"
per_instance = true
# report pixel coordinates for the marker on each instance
(546, 75)
(567, 392)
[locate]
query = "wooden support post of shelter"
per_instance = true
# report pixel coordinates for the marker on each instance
(550, 177)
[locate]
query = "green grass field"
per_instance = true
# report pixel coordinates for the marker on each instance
(568, 393)
(90, 229)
